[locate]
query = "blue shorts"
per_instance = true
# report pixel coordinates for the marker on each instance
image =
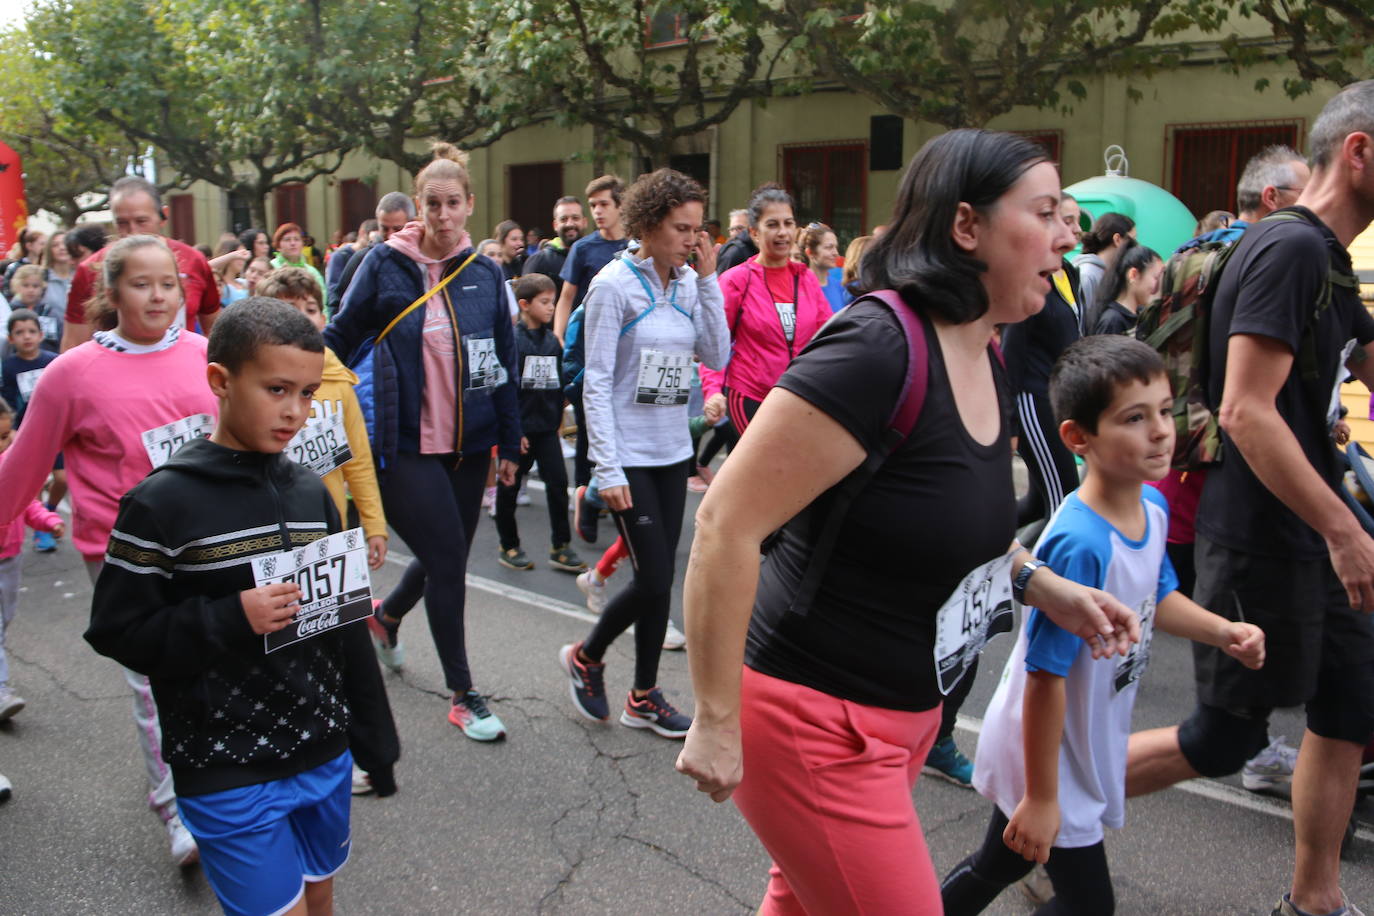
(260, 844)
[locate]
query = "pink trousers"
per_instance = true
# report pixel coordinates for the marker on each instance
(827, 789)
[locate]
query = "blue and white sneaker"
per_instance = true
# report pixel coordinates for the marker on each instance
(653, 712)
(43, 542)
(947, 762)
(386, 639)
(469, 712)
(587, 683)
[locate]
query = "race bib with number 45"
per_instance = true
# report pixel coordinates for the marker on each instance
(162, 443)
(980, 608)
(334, 582)
(665, 378)
(321, 445)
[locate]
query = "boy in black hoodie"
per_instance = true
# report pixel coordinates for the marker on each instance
(539, 361)
(256, 740)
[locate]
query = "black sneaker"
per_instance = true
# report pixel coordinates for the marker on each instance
(587, 683)
(565, 558)
(514, 559)
(584, 516)
(653, 712)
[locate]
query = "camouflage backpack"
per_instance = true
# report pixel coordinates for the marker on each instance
(1177, 324)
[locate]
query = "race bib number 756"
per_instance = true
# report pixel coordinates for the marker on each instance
(334, 582)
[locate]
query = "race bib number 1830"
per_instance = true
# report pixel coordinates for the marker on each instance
(334, 583)
(979, 609)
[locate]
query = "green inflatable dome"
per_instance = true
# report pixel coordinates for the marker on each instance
(1162, 221)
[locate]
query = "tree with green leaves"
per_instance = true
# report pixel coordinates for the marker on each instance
(645, 73)
(1330, 41)
(222, 98)
(962, 64)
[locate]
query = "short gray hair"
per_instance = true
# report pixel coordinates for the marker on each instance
(1270, 167)
(393, 201)
(133, 184)
(1350, 111)
(735, 213)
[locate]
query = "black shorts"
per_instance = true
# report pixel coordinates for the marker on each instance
(1312, 635)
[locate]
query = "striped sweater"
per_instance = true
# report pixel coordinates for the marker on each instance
(167, 605)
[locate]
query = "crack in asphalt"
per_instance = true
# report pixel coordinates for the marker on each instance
(60, 682)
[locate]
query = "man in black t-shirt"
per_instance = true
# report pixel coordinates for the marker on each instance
(1276, 546)
(569, 222)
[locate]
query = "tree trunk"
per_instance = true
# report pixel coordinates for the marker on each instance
(257, 207)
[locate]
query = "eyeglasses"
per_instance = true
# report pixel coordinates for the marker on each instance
(1279, 187)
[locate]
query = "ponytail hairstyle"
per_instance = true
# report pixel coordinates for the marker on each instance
(1133, 256)
(102, 312)
(1107, 227)
(765, 195)
(449, 164)
(811, 239)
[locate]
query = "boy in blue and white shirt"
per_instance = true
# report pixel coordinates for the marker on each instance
(1052, 755)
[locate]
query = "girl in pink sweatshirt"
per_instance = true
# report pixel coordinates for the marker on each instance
(116, 407)
(11, 563)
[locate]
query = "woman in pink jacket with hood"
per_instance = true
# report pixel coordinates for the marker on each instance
(773, 306)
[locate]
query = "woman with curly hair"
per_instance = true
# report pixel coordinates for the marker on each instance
(647, 315)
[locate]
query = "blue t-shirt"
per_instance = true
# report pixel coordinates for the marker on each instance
(586, 258)
(834, 290)
(18, 378)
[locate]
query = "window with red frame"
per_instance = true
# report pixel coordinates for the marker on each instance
(182, 210)
(830, 185)
(1051, 141)
(1208, 159)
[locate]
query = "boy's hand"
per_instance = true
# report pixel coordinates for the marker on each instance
(376, 551)
(1032, 830)
(58, 530)
(1245, 643)
(524, 446)
(505, 471)
(270, 607)
(714, 409)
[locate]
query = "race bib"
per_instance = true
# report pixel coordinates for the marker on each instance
(26, 382)
(321, 445)
(787, 314)
(334, 582)
(1333, 407)
(51, 326)
(979, 609)
(484, 369)
(1132, 665)
(540, 373)
(665, 378)
(163, 442)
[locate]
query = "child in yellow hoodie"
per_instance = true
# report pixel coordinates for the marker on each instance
(372, 731)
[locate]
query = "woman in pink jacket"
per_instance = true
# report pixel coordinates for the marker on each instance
(773, 306)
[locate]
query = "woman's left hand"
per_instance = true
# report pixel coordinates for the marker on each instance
(376, 551)
(1103, 622)
(705, 250)
(506, 472)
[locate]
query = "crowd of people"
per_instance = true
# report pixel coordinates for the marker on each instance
(859, 397)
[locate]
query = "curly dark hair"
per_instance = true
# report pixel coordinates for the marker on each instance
(653, 196)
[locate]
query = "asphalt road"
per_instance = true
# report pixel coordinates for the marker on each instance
(565, 816)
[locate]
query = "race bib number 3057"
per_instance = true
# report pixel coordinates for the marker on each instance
(334, 583)
(163, 442)
(321, 445)
(665, 378)
(979, 609)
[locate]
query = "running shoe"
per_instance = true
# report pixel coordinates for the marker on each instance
(10, 703)
(1285, 908)
(566, 559)
(674, 639)
(697, 484)
(584, 516)
(1366, 784)
(586, 683)
(362, 783)
(1271, 769)
(43, 542)
(489, 498)
(947, 762)
(653, 712)
(523, 497)
(1037, 886)
(386, 638)
(514, 559)
(469, 712)
(184, 849)
(594, 587)
(6, 788)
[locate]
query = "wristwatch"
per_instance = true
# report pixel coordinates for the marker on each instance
(1023, 575)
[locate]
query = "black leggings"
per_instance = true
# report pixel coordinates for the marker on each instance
(546, 449)
(651, 528)
(434, 508)
(582, 465)
(1082, 883)
(949, 712)
(716, 438)
(1050, 465)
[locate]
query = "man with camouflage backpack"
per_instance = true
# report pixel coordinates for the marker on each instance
(1276, 545)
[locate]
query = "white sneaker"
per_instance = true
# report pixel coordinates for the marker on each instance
(594, 589)
(184, 849)
(1271, 769)
(10, 703)
(674, 638)
(523, 497)
(1036, 886)
(6, 788)
(362, 783)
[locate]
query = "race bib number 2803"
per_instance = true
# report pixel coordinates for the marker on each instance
(321, 445)
(333, 579)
